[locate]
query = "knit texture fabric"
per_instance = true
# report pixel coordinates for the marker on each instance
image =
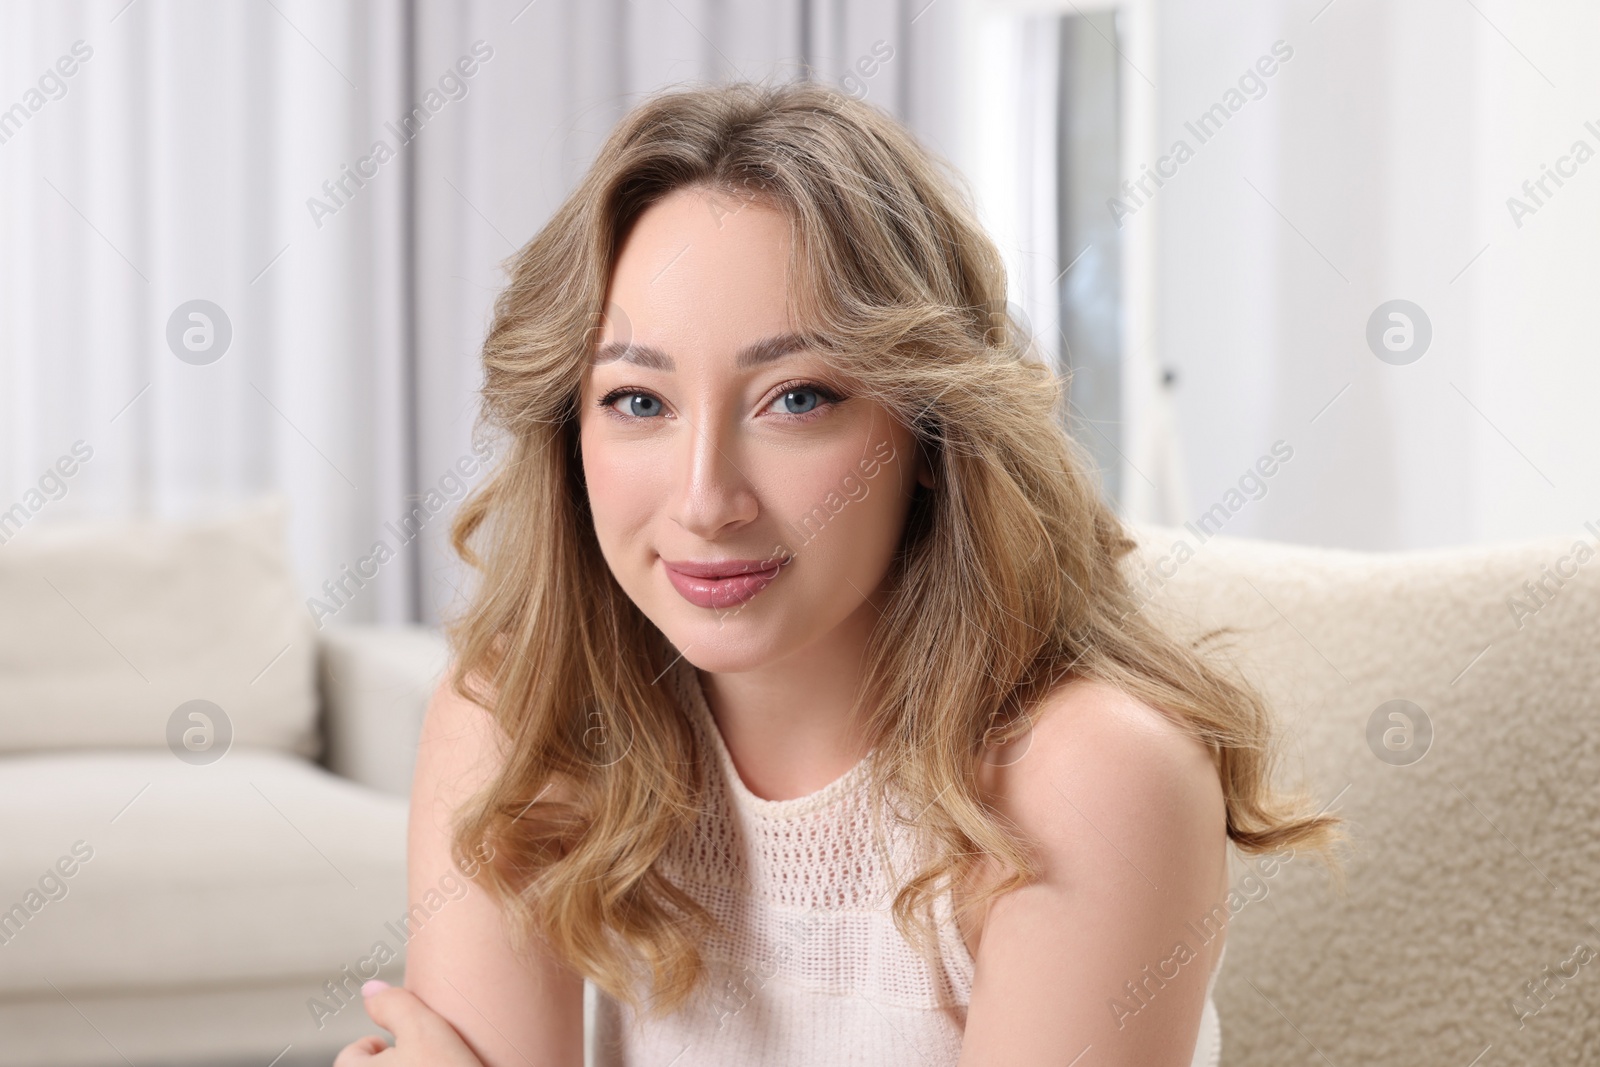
(806, 966)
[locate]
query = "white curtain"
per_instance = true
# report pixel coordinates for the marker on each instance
(230, 153)
(175, 164)
(1014, 166)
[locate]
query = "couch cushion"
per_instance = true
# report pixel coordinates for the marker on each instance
(255, 867)
(1475, 866)
(109, 627)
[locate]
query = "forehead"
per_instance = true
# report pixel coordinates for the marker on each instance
(701, 267)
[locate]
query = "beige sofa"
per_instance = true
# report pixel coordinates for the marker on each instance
(222, 899)
(1475, 874)
(160, 905)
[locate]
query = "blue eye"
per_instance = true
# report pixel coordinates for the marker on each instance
(639, 405)
(798, 401)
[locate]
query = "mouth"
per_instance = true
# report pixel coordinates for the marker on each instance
(721, 583)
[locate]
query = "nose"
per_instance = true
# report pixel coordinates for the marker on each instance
(713, 496)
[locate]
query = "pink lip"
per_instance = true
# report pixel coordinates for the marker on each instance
(720, 583)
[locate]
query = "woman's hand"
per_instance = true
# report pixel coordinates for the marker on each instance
(422, 1038)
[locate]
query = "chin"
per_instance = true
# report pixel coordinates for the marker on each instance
(730, 645)
(747, 637)
(722, 661)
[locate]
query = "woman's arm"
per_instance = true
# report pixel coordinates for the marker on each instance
(511, 1011)
(1128, 819)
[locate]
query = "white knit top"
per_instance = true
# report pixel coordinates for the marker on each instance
(807, 966)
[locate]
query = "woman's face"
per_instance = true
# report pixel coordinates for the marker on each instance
(745, 500)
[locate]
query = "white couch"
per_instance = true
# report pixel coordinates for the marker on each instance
(165, 910)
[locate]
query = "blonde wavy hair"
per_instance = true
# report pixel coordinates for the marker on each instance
(1008, 576)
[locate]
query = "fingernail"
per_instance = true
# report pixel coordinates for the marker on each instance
(373, 985)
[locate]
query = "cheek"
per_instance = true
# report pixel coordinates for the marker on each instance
(848, 523)
(620, 486)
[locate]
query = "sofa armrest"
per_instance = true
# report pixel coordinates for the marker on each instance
(375, 684)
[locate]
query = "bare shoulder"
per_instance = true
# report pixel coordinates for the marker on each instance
(462, 747)
(1106, 785)
(1093, 744)
(460, 750)
(1122, 811)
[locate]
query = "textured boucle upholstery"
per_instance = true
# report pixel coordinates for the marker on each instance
(1473, 869)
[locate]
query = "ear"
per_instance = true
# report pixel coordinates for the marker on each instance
(924, 468)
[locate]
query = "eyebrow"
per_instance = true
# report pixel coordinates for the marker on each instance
(752, 355)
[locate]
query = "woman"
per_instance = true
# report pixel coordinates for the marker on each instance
(803, 705)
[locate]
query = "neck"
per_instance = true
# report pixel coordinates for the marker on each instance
(789, 725)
